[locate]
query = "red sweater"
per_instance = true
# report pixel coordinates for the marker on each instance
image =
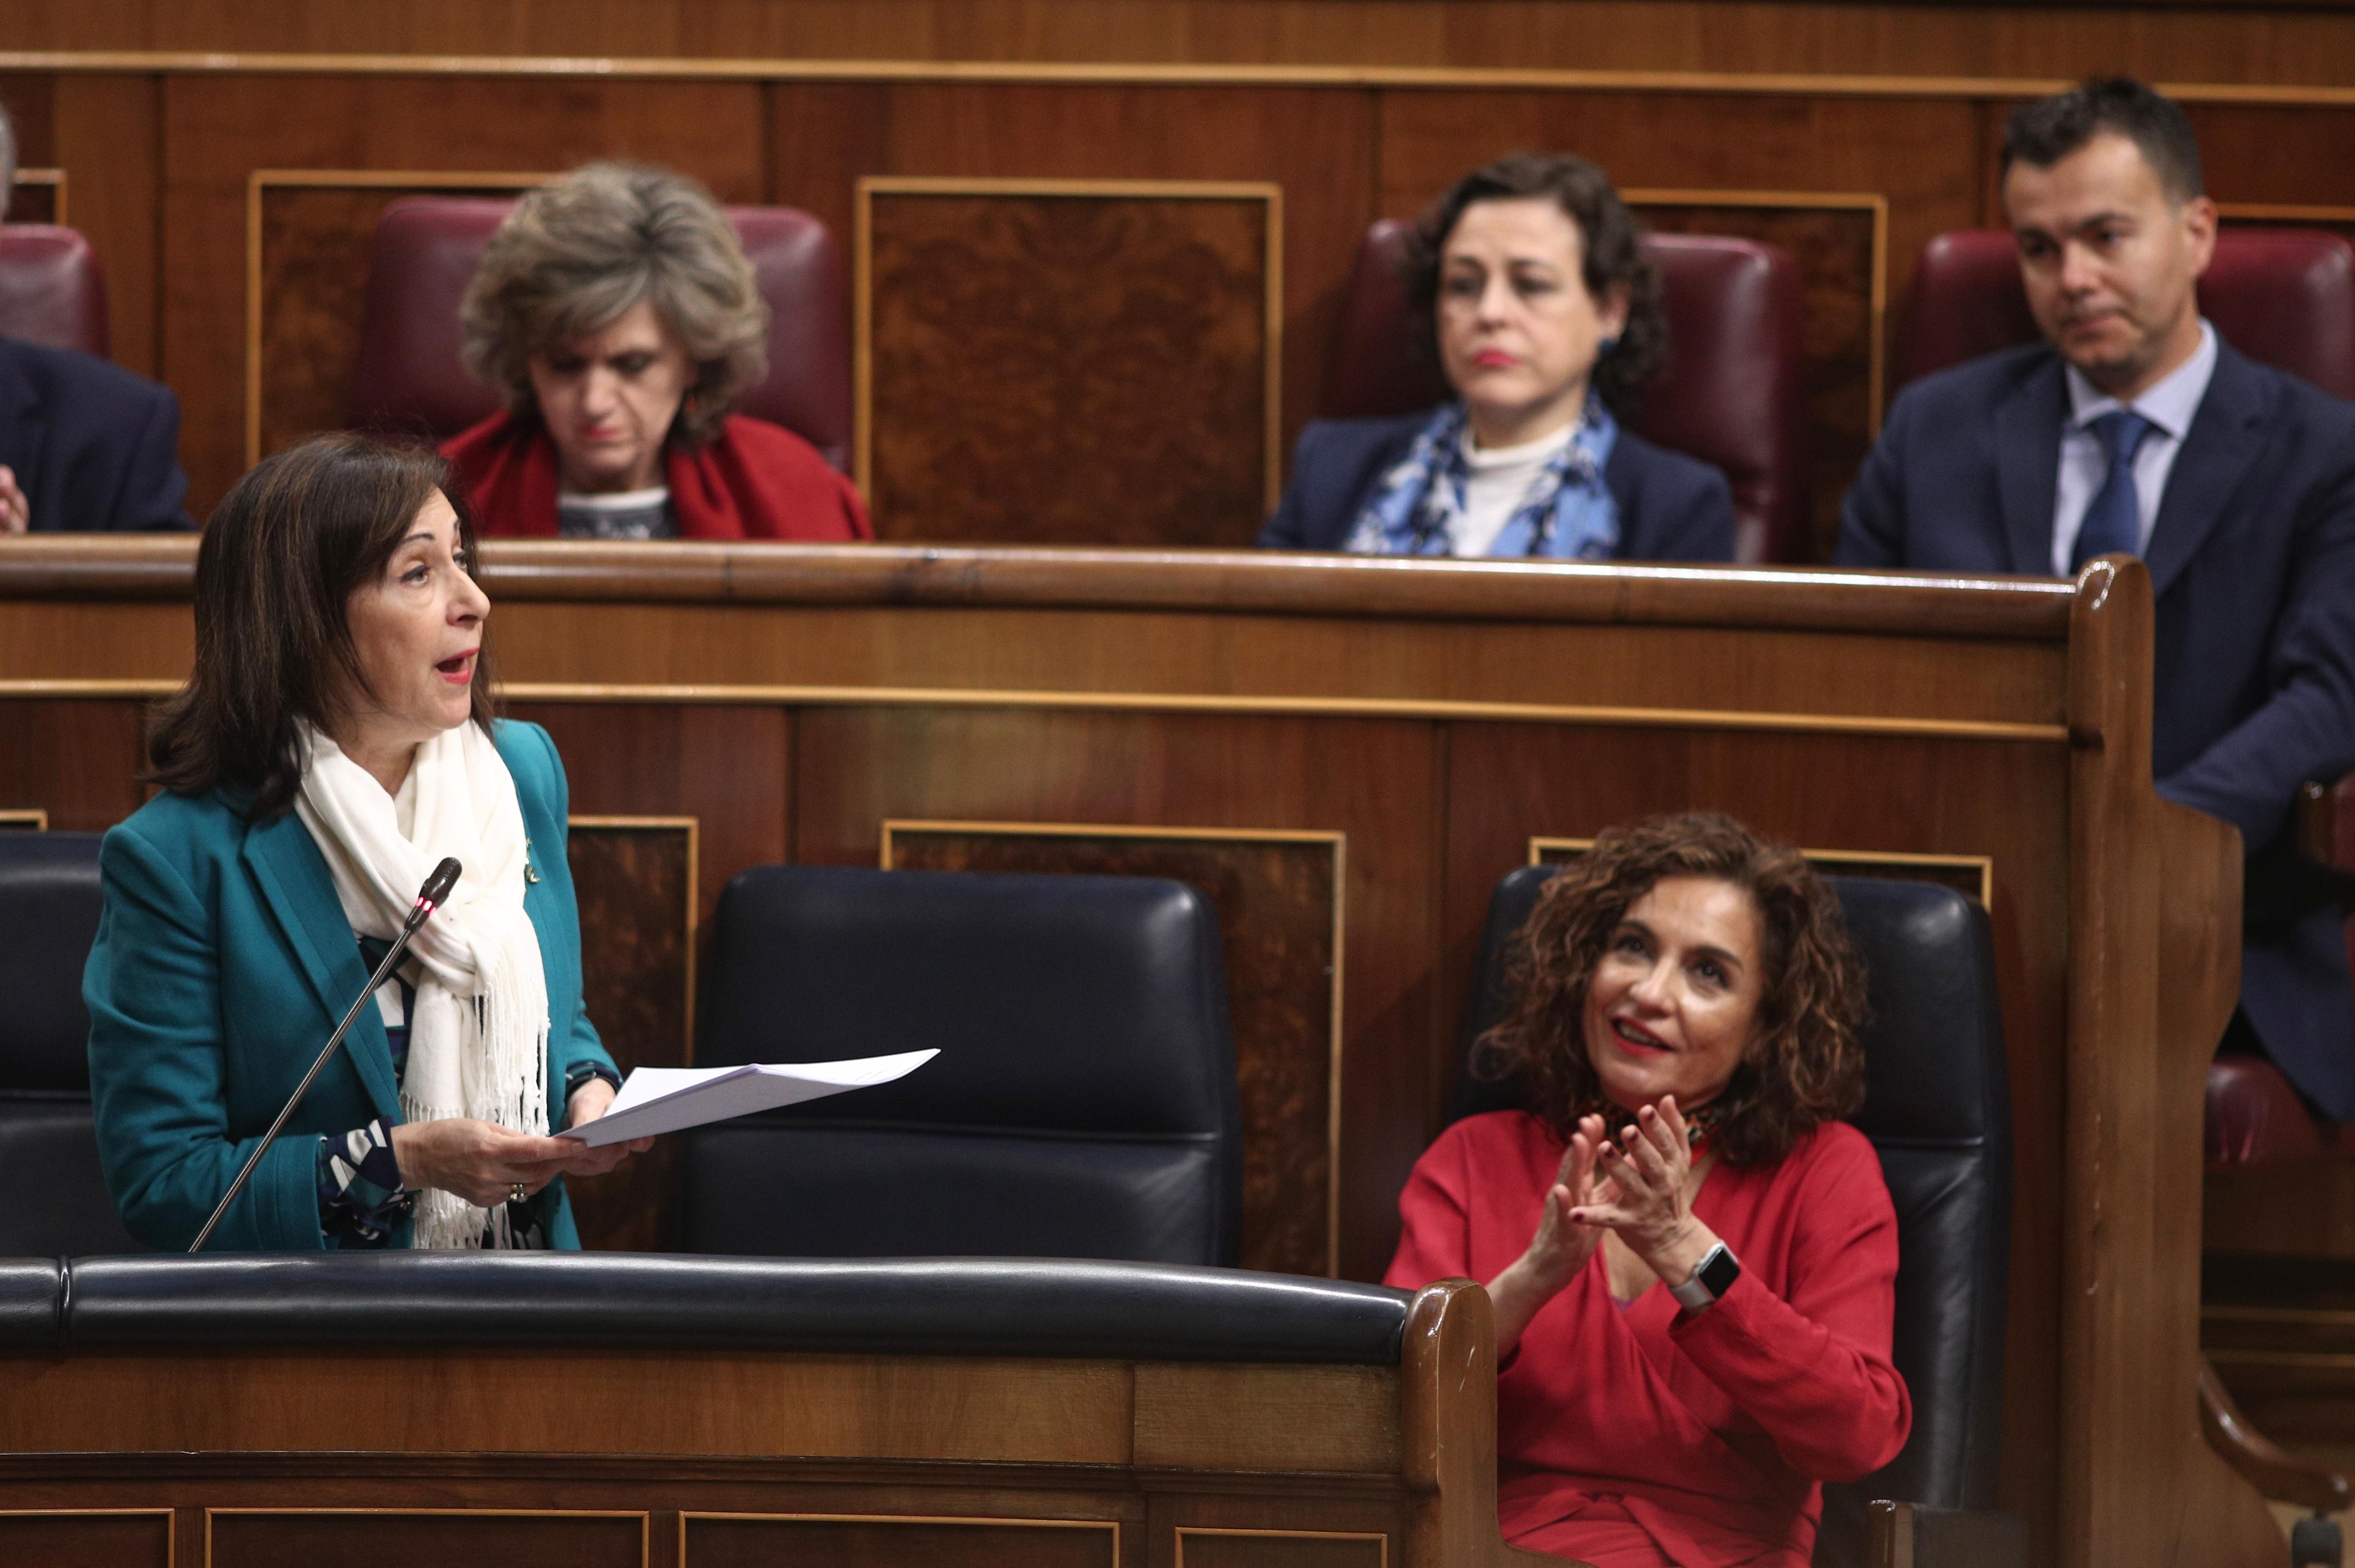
(754, 481)
(1643, 1436)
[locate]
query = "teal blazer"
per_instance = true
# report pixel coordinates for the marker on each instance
(223, 963)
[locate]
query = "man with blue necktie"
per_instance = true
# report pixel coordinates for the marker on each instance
(2133, 429)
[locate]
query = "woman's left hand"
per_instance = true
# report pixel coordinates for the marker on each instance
(588, 1102)
(1651, 1210)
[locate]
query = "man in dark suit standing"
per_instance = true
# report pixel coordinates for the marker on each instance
(2135, 428)
(85, 446)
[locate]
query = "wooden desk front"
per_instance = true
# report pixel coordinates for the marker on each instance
(1348, 754)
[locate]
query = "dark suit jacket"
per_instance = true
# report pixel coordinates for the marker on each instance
(94, 446)
(2252, 568)
(1671, 508)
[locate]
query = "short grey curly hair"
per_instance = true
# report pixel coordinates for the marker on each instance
(574, 256)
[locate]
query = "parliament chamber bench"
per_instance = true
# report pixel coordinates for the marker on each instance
(1345, 756)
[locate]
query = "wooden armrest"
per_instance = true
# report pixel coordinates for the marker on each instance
(2275, 1474)
(2326, 824)
(1915, 1535)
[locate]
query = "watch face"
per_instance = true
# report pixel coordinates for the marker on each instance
(1717, 1272)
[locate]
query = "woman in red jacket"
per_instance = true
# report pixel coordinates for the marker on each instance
(1693, 1260)
(617, 311)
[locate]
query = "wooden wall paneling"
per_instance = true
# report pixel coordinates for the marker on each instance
(1955, 798)
(87, 1538)
(1373, 780)
(1068, 361)
(284, 1537)
(634, 878)
(38, 195)
(2275, 154)
(1918, 156)
(73, 758)
(218, 130)
(2260, 41)
(1972, 875)
(309, 233)
(33, 821)
(109, 154)
(745, 1541)
(1316, 142)
(1206, 1548)
(1278, 901)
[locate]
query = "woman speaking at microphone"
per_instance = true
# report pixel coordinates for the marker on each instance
(334, 743)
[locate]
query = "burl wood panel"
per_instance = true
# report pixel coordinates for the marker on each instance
(303, 1539)
(708, 1542)
(1279, 1549)
(314, 272)
(72, 757)
(1834, 247)
(1064, 369)
(87, 1540)
(635, 885)
(1275, 902)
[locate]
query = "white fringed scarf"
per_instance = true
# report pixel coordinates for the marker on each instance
(478, 1035)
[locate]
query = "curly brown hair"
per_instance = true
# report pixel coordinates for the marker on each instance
(1610, 242)
(1806, 1067)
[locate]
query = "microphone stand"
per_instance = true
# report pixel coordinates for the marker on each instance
(437, 888)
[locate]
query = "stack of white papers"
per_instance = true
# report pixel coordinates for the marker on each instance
(670, 1099)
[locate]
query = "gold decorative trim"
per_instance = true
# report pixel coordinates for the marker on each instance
(685, 1516)
(1830, 860)
(1339, 842)
(694, 830)
(645, 1519)
(185, 62)
(862, 350)
(1151, 701)
(1877, 356)
(260, 180)
(1380, 1538)
(31, 817)
(55, 180)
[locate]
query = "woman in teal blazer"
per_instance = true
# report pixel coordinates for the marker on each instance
(228, 949)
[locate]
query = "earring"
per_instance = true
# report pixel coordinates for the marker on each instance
(1609, 342)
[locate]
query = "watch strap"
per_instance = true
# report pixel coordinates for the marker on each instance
(1712, 1279)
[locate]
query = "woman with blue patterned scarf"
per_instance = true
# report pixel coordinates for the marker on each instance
(1530, 282)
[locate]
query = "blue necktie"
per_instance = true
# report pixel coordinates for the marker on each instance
(2114, 522)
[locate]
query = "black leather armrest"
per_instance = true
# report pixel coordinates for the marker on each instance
(973, 1306)
(1915, 1535)
(32, 1303)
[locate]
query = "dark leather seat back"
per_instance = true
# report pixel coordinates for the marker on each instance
(408, 378)
(1083, 1103)
(52, 290)
(56, 1203)
(1733, 392)
(1938, 1109)
(2284, 297)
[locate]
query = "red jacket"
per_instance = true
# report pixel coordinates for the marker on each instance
(1638, 1436)
(754, 481)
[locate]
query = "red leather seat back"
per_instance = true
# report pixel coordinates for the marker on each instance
(52, 290)
(1733, 392)
(408, 377)
(2284, 297)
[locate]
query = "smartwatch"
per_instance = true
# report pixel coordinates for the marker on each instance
(1713, 1278)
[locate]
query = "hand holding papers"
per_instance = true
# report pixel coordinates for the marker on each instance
(669, 1099)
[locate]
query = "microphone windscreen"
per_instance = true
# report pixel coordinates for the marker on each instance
(438, 885)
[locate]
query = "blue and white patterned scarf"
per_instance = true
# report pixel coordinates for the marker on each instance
(1567, 514)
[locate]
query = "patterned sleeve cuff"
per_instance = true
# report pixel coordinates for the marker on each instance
(361, 1200)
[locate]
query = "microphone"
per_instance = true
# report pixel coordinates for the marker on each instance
(429, 898)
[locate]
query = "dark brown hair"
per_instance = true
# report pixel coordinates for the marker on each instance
(1806, 1067)
(2044, 132)
(282, 557)
(1610, 242)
